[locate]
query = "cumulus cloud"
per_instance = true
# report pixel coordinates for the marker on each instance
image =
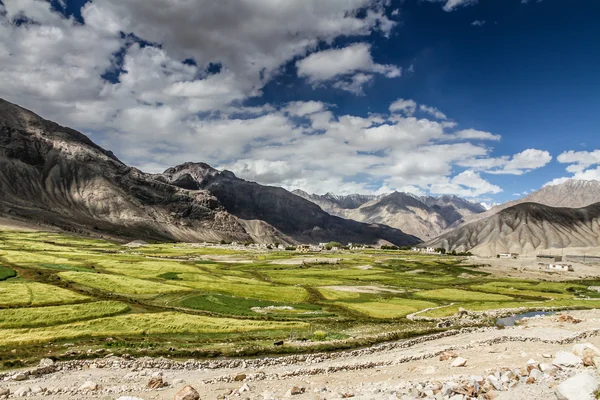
(406, 106)
(331, 64)
(583, 165)
(156, 110)
(434, 112)
(519, 164)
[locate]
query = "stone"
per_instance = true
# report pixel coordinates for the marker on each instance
(156, 383)
(547, 355)
(239, 377)
(187, 393)
(89, 386)
(566, 359)
(459, 362)
(495, 382)
(547, 368)
(447, 355)
(536, 374)
(295, 390)
(46, 362)
(37, 390)
(22, 392)
(244, 388)
(588, 361)
(4, 392)
(578, 387)
(20, 376)
(585, 349)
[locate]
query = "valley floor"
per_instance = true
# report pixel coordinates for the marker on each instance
(386, 371)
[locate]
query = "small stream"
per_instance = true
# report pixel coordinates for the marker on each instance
(510, 321)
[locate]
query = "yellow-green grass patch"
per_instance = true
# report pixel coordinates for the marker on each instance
(450, 294)
(20, 293)
(528, 289)
(389, 308)
(56, 315)
(120, 283)
(332, 294)
(141, 324)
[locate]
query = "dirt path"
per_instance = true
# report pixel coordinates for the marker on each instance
(375, 372)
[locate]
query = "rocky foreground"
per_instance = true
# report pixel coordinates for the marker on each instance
(552, 357)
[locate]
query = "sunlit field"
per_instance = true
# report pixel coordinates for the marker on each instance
(64, 295)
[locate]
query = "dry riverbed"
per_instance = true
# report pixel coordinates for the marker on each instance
(404, 370)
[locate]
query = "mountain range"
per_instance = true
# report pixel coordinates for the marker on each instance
(422, 216)
(53, 175)
(57, 176)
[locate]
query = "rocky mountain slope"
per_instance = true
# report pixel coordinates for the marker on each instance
(289, 213)
(526, 228)
(571, 194)
(57, 176)
(424, 217)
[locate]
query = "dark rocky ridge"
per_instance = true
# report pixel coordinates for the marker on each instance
(57, 176)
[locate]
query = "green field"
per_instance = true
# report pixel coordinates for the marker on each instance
(186, 300)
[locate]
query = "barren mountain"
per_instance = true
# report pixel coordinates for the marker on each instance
(425, 217)
(57, 176)
(572, 194)
(336, 204)
(526, 228)
(289, 213)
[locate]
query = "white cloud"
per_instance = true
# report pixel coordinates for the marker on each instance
(432, 111)
(518, 164)
(478, 23)
(473, 134)
(162, 111)
(579, 166)
(408, 107)
(451, 5)
(355, 60)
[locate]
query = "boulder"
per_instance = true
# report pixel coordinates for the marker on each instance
(187, 393)
(459, 362)
(46, 362)
(579, 387)
(447, 355)
(4, 392)
(566, 359)
(156, 383)
(585, 349)
(495, 382)
(89, 386)
(22, 392)
(239, 377)
(20, 376)
(295, 390)
(536, 374)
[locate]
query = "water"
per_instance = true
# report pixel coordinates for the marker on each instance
(510, 321)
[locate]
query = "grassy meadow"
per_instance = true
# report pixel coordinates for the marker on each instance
(69, 296)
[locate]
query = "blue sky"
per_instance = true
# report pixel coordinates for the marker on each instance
(302, 96)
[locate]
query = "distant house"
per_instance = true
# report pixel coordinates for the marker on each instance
(508, 255)
(560, 267)
(303, 248)
(548, 258)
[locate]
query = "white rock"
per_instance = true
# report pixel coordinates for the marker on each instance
(547, 368)
(46, 362)
(531, 362)
(583, 349)
(547, 355)
(244, 388)
(536, 374)
(579, 387)
(566, 359)
(495, 382)
(89, 386)
(22, 392)
(20, 376)
(459, 362)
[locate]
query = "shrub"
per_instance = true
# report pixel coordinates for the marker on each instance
(319, 336)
